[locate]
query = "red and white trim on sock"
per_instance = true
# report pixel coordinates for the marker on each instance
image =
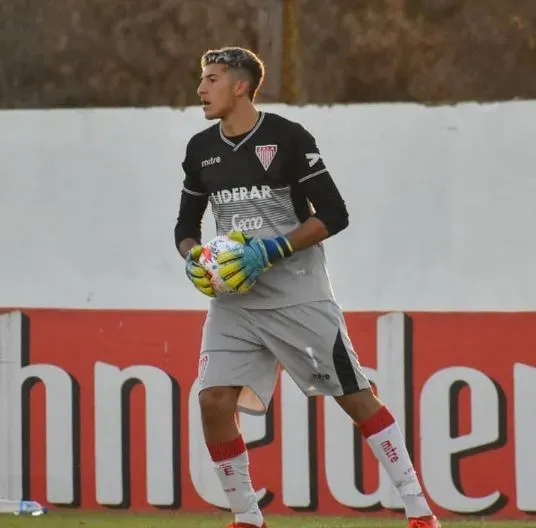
(227, 450)
(385, 439)
(231, 463)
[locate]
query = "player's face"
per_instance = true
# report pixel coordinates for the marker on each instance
(216, 91)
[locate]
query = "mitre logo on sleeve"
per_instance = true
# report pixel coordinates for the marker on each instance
(266, 154)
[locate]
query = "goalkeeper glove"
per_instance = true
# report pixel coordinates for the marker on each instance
(197, 274)
(240, 268)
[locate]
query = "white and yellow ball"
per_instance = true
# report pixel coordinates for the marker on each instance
(209, 261)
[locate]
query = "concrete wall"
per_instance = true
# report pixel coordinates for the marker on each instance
(442, 205)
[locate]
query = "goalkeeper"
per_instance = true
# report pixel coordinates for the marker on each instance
(269, 189)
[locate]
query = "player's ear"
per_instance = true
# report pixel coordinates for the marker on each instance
(241, 87)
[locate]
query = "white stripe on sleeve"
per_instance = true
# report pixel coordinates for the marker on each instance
(193, 193)
(309, 176)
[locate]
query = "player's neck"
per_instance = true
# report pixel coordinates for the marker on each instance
(240, 121)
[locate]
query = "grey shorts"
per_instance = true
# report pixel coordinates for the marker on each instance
(246, 348)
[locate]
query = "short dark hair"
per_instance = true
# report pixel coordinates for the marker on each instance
(238, 58)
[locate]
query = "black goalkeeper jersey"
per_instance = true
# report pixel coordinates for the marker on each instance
(265, 183)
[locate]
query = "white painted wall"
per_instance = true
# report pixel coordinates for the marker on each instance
(442, 205)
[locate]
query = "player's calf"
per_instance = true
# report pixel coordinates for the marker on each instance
(218, 413)
(228, 452)
(380, 430)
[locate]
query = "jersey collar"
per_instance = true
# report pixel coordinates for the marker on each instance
(236, 146)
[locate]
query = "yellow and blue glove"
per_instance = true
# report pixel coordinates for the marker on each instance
(197, 274)
(240, 268)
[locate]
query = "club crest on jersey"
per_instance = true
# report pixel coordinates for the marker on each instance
(266, 154)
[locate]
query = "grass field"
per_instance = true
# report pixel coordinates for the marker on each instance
(110, 520)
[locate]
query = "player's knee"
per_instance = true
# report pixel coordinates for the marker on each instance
(360, 405)
(218, 403)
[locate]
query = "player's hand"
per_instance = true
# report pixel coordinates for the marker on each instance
(240, 268)
(197, 274)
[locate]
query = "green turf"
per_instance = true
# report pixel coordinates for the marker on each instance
(181, 520)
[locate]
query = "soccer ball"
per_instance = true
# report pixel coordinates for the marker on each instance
(209, 261)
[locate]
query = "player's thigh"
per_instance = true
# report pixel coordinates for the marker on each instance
(312, 344)
(233, 356)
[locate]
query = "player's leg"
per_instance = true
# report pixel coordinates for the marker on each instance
(312, 344)
(229, 453)
(381, 432)
(235, 373)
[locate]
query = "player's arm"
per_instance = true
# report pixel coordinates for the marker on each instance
(311, 232)
(193, 204)
(316, 184)
(188, 227)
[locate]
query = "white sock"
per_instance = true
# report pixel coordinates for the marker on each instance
(231, 463)
(385, 439)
